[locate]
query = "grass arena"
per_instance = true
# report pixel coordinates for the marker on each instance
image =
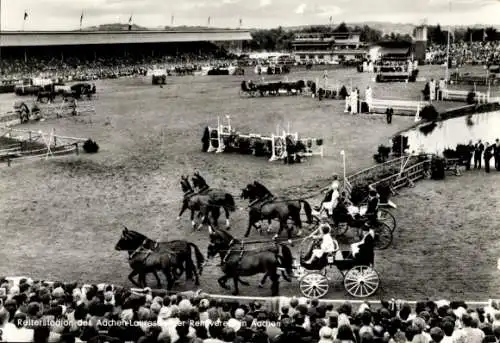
(61, 218)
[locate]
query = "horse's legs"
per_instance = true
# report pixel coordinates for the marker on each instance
(251, 222)
(157, 278)
(142, 279)
(193, 223)
(275, 286)
(131, 278)
(263, 280)
(168, 275)
(269, 225)
(184, 207)
(236, 288)
(190, 265)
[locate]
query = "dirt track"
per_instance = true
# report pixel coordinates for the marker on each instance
(60, 219)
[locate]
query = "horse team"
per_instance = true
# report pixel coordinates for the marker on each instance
(174, 258)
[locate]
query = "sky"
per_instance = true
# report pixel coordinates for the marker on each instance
(65, 14)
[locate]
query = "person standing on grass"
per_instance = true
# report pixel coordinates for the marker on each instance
(496, 154)
(487, 157)
(478, 151)
(468, 156)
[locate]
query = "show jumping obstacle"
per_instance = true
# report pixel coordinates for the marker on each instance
(354, 104)
(224, 136)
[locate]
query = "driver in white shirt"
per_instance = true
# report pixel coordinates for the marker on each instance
(328, 245)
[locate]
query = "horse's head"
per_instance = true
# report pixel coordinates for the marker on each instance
(248, 193)
(220, 241)
(198, 181)
(129, 240)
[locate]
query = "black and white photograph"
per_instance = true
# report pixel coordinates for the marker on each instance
(269, 171)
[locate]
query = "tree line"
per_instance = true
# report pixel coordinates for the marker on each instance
(280, 39)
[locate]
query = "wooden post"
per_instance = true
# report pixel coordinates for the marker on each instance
(76, 149)
(8, 161)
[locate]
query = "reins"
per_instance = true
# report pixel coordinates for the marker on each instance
(141, 248)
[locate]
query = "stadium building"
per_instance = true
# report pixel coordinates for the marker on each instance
(97, 44)
(329, 47)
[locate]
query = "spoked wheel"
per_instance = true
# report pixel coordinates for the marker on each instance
(383, 236)
(361, 281)
(314, 285)
(386, 217)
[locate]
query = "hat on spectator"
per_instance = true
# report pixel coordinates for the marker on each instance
(442, 303)
(294, 302)
(325, 335)
(158, 300)
(101, 287)
(234, 324)
(363, 307)
(185, 305)
(459, 312)
(127, 315)
(155, 307)
(204, 303)
(58, 292)
(239, 313)
(14, 290)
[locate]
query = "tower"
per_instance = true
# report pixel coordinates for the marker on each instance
(420, 42)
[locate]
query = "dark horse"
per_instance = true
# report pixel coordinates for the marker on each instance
(238, 261)
(218, 197)
(264, 205)
(197, 202)
(148, 256)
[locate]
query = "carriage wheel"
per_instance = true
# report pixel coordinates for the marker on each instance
(279, 147)
(361, 281)
(313, 285)
(383, 236)
(384, 216)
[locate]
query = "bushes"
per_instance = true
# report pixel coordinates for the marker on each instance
(382, 154)
(429, 113)
(90, 146)
(438, 165)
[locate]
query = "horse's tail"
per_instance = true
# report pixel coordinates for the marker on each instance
(199, 257)
(287, 259)
(230, 204)
(307, 209)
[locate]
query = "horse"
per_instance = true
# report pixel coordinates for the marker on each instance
(238, 261)
(197, 202)
(148, 256)
(264, 205)
(218, 197)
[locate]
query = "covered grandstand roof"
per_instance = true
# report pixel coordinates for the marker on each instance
(47, 38)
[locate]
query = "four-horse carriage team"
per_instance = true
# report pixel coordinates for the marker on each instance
(319, 251)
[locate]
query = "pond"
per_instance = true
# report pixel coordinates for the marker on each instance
(449, 133)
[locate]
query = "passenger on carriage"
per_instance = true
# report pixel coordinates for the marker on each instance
(328, 245)
(372, 206)
(331, 197)
(365, 247)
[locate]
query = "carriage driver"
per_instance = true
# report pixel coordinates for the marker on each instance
(332, 193)
(372, 206)
(328, 245)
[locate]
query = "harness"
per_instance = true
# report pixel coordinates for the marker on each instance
(265, 200)
(142, 248)
(229, 250)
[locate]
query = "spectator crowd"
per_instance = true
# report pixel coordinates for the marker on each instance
(37, 311)
(465, 53)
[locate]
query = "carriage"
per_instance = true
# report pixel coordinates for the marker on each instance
(360, 279)
(355, 218)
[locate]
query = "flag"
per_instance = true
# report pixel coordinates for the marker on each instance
(484, 35)
(81, 19)
(209, 20)
(25, 15)
(130, 23)
(241, 21)
(172, 20)
(331, 19)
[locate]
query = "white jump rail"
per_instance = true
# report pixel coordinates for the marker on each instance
(461, 95)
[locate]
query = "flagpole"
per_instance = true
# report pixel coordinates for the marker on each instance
(448, 48)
